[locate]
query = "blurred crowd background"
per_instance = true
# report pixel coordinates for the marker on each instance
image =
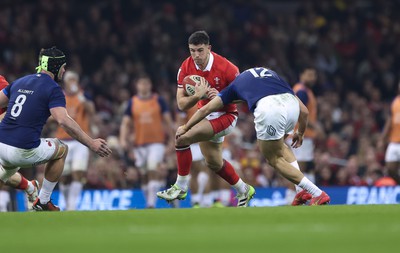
(352, 44)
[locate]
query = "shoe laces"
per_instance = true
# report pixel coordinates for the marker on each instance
(172, 189)
(243, 195)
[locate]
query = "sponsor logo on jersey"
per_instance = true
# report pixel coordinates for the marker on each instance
(271, 130)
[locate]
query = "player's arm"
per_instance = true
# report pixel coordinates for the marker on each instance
(3, 100)
(387, 129)
(168, 122)
(90, 112)
(184, 101)
(170, 131)
(98, 146)
(124, 132)
(180, 118)
(214, 105)
(297, 139)
(303, 96)
(166, 114)
(89, 108)
(2, 116)
(383, 140)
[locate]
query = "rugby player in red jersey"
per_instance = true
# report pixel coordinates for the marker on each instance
(210, 132)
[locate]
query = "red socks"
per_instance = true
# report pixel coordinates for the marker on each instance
(184, 160)
(23, 185)
(228, 173)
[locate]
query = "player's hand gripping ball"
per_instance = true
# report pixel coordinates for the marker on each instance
(189, 83)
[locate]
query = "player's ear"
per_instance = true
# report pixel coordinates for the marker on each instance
(209, 47)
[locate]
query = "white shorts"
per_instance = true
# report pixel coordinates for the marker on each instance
(196, 152)
(275, 116)
(223, 122)
(304, 153)
(149, 156)
(393, 152)
(77, 158)
(12, 158)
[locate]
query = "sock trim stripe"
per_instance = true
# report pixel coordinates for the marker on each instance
(182, 148)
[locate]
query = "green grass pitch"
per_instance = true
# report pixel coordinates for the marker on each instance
(338, 229)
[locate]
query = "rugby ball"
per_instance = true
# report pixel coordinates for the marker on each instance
(189, 83)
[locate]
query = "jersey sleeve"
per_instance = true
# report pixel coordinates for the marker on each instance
(231, 72)
(163, 104)
(302, 95)
(6, 90)
(182, 72)
(228, 95)
(3, 82)
(57, 98)
(128, 110)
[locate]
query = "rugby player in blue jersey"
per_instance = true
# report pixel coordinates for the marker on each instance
(30, 101)
(276, 110)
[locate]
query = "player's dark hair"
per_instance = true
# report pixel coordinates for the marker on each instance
(52, 60)
(303, 68)
(142, 75)
(199, 38)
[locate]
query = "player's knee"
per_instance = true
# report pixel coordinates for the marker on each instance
(214, 165)
(182, 141)
(272, 159)
(61, 150)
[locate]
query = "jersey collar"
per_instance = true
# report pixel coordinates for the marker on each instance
(209, 64)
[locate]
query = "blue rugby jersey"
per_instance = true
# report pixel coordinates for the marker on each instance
(252, 85)
(30, 100)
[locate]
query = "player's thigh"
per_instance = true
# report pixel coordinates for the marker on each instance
(288, 153)
(141, 153)
(156, 153)
(272, 149)
(5, 174)
(222, 124)
(202, 131)
(392, 165)
(212, 153)
(48, 149)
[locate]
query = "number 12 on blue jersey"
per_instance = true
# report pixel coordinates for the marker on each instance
(260, 72)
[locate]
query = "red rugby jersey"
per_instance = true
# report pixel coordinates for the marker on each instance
(219, 73)
(3, 84)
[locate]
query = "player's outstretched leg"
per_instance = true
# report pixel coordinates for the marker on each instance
(31, 188)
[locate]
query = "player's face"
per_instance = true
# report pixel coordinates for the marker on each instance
(200, 54)
(309, 77)
(143, 86)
